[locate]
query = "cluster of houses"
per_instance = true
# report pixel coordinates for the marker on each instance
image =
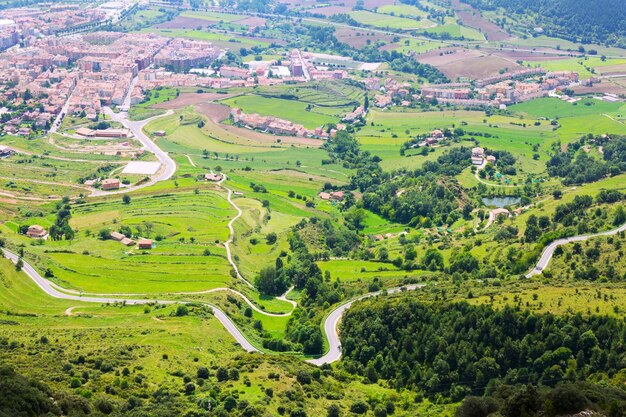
(479, 157)
(275, 125)
(126, 241)
(332, 196)
(392, 92)
(435, 137)
(355, 115)
(503, 89)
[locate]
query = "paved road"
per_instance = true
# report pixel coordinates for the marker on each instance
(549, 250)
(168, 166)
(44, 284)
(330, 325)
(332, 322)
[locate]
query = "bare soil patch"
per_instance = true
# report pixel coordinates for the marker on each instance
(529, 56)
(473, 18)
(190, 99)
(479, 67)
(358, 38)
(252, 21)
(447, 55)
(470, 63)
(612, 69)
(606, 86)
(180, 22)
(214, 111)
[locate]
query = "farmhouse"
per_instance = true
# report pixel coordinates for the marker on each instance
(36, 232)
(334, 196)
(145, 243)
(127, 242)
(213, 177)
(5, 151)
(478, 155)
(111, 184)
(117, 236)
(337, 195)
(499, 212)
(491, 159)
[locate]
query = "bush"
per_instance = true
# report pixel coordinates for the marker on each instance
(303, 377)
(104, 405)
(182, 310)
(476, 407)
(333, 411)
(222, 374)
(359, 407)
(203, 373)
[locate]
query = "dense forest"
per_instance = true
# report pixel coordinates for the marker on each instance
(600, 21)
(457, 349)
(575, 166)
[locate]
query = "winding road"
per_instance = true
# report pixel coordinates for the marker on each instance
(168, 166)
(330, 324)
(546, 256)
(52, 291)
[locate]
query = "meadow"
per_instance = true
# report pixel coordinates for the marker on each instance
(385, 132)
(294, 111)
(388, 21)
(402, 10)
(219, 39)
(456, 31)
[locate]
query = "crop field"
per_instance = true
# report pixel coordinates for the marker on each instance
(219, 39)
(185, 225)
(555, 108)
(186, 138)
(388, 21)
(294, 111)
(358, 38)
(583, 66)
(564, 45)
(402, 10)
(213, 16)
(455, 30)
(324, 94)
(417, 46)
(517, 139)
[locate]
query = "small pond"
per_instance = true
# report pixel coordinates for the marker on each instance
(500, 201)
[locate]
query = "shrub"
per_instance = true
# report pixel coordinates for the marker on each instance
(203, 373)
(359, 407)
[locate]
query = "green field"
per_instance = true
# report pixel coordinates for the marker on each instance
(457, 31)
(402, 10)
(388, 21)
(293, 111)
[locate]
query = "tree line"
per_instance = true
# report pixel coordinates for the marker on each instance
(456, 349)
